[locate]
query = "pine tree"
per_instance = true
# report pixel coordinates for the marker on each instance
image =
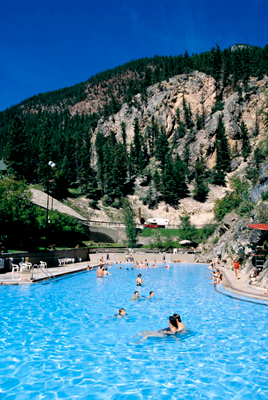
(223, 162)
(123, 133)
(186, 154)
(162, 146)
(187, 114)
(168, 179)
(157, 181)
(245, 140)
(46, 146)
(201, 189)
(99, 146)
(180, 170)
(15, 153)
(130, 225)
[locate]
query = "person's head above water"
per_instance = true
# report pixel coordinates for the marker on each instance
(151, 294)
(122, 312)
(177, 316)
(173, 322)
(139, 276)
(136, 294)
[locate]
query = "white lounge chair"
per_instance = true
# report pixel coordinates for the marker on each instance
(15, 267)
(43, 264)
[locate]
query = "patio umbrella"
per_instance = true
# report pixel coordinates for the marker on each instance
(185, 242)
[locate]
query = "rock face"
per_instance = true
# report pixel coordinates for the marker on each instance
(234, 239)
(199, 92)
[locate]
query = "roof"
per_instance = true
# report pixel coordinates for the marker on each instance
(263, 227)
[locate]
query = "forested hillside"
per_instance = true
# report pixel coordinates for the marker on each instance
(163, 122)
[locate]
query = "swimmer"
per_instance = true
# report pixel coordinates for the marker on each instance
(139, 280)
(106, 272)
(121, 313)
(151, 294)
(100, 273)
(174, 326)
(136, 296)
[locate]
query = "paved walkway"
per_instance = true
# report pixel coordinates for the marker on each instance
(40, 198)
(39, 274)
(241, 286)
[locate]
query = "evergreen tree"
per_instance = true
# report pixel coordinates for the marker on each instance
(157, 181)
(245, 140)
(120, 170)
(180, 170)
(186, 154)
(130, 225)
(168, 178)
(187, 114)
(162, 146)
(46, 146)
(123, 133)
(137, 156)
(15, 153)
(223, 162)
(201, 189)
(99, 146)
(199, 122)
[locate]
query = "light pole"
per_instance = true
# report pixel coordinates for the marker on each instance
(51, 165)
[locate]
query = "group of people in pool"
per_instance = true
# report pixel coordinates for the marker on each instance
(174, 322)
(102, 271)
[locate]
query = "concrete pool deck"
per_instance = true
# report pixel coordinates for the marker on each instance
(241, 286)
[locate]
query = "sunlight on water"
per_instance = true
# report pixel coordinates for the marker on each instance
(61, 340)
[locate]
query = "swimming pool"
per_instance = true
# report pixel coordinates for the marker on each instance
(60, 340)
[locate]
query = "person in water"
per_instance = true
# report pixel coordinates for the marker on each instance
(139, 280)
(151, 294)
(106, 272)
(174, 326)
(100, 272)
(136, 296)
(121, 313)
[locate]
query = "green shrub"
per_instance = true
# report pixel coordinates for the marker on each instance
(264, 196)
(219, 106)
(225, 205)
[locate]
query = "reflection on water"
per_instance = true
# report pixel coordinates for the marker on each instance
(61, 339)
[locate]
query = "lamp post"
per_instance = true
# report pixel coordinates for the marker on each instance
(51, 165)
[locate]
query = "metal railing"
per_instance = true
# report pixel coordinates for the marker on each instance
(114, 224)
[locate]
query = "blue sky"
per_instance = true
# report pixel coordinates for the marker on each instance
(47, 45)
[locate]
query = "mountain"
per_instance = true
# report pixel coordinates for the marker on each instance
(170, 130)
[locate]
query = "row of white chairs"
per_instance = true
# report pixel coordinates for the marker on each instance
(27, 266)
(66, 260)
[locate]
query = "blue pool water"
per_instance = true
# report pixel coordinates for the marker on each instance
(60, 341)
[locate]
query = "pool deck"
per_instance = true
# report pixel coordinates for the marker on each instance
(38, 275)
(239, 287)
